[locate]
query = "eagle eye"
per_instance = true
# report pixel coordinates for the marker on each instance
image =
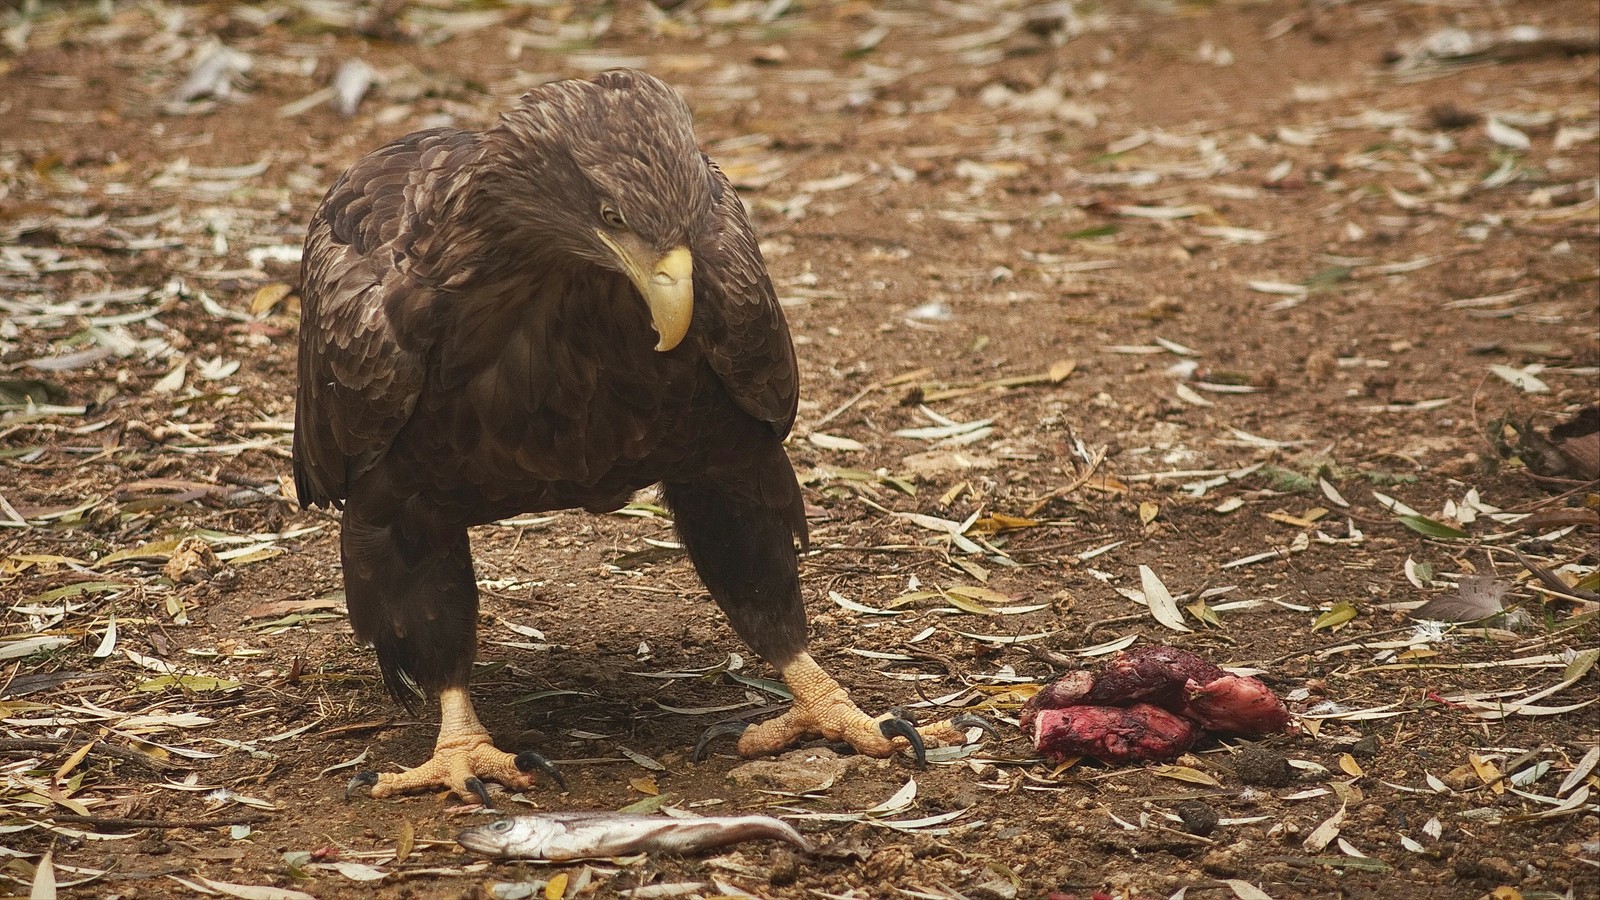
(612, 218)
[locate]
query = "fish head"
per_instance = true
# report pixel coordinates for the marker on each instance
(519, 836)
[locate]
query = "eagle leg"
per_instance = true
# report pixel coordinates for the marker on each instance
(741, 538)
(463, 759)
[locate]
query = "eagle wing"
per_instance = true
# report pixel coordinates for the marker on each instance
(742, 329)
(365, 258)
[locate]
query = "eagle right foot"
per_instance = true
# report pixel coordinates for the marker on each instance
(823, 708)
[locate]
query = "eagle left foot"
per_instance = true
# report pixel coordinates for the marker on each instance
(463, 758)
(822, 708)
(463, 769)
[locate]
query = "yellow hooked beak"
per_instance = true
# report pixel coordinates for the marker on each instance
(666, 283)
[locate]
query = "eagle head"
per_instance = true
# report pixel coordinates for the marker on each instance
(606, 171)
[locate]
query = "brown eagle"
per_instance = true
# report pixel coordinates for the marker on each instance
(550, 314)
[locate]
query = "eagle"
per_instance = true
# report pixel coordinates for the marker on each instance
(552, 313)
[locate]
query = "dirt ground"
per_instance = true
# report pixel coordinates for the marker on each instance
(1270, 298)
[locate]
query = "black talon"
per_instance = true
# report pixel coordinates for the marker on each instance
(894, 727)
(529, 762)
(719, 730)
(360, 779)
(476, 786)
(968, 720)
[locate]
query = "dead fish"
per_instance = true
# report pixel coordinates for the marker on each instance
(589, 835)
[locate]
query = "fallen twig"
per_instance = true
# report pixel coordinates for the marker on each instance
(1078, 482)
(122, 753)
(116, 822)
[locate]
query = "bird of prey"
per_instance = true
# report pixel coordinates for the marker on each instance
(552, 313)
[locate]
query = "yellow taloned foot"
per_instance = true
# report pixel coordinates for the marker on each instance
(823, 709)
(464, 759)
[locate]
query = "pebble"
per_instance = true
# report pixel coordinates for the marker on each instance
(1488, 868)
(1260, 766)
(797, 771)
(1198, 818)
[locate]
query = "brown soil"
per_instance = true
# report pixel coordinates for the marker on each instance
(1037, 185)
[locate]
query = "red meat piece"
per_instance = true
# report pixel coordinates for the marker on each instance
(1236, 704)
(1148, 703)
(1068, 690)
(1151, 673)
(1112, 734)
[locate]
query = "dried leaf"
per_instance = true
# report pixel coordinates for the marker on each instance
(999, 523)
(647, 804)
(161, 550)
(404, 840)
(1487, 772)
(1202, 611)
(14, 649)
(1580, 771)
(1419, 574)
(1148, 510)
(276, 608)
(1003, 638)
(1505, 135)
(1185, 773)
(1349, 766)
(899, 801)
(832, 442)
(268, 296)
(1187, 394)
(357, 871)
(172, 382)
(1156, 596)
(967, 604)
(980, 594)
(1580, 665)
(43, 886)
(642, 760)
(1431, 527)
(1338, 614)
(72, 761)
(187, 683)
(853, 606)
(1324, 834)
(1244, 890)
(108, 642)
(1521, 379)
(1332, 493)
